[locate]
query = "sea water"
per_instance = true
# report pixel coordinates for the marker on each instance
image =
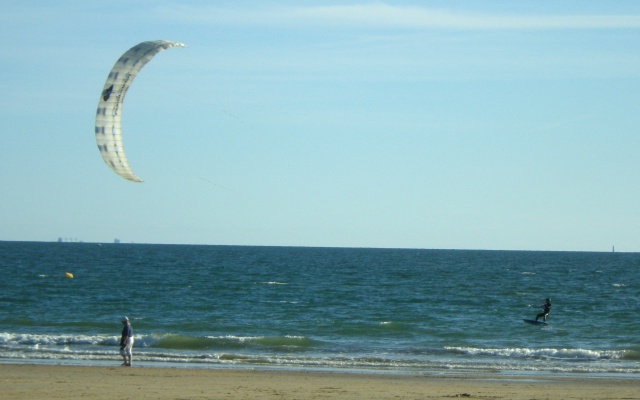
(374, 310)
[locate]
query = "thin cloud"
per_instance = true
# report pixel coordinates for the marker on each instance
(382, 15)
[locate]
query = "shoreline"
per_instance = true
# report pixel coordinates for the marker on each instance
(486, 373)
(40, 381)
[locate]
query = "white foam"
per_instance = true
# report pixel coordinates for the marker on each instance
(549, 353)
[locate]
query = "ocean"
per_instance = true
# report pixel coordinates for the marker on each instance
(347, 309)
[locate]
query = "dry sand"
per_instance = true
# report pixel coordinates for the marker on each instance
(35, 382)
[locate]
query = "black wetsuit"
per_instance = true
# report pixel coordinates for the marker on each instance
(545, 312)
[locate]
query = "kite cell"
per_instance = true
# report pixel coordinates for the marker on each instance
(109, 113)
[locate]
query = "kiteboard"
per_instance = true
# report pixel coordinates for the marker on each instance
(534, 322)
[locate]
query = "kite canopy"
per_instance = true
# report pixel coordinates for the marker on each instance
(109, 113)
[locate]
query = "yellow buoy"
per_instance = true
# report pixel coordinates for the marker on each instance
(68, 275)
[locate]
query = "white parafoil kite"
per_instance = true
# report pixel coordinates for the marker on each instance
(109, 114)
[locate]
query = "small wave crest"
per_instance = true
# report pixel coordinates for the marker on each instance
(545, 353)
(182, 342)
(165, 341)
(15, 339)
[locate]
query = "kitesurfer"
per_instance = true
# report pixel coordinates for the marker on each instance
(546, 308)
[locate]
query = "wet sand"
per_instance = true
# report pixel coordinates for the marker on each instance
(78, 382)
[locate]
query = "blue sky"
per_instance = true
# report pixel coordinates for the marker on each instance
(411, 124)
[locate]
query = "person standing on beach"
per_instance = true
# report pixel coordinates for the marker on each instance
(546, 309)
(126, 342)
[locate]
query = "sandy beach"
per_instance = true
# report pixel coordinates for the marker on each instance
(78, 382)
